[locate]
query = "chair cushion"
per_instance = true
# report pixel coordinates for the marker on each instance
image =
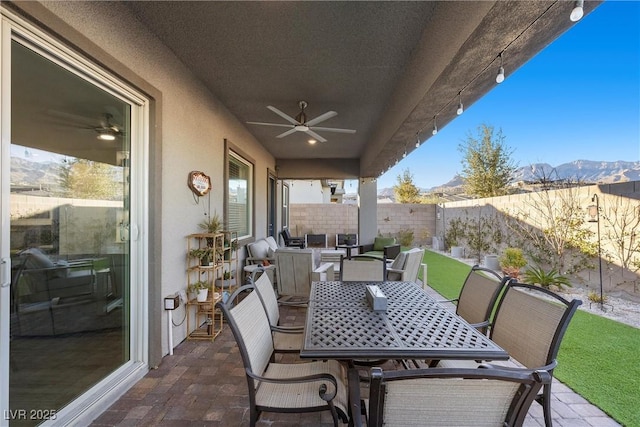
(259, 249)
(380, 242)
(273, 245)
(37, 259)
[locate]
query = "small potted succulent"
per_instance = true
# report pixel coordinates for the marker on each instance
(349, 239)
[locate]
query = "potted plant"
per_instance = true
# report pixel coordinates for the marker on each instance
(349, 239)
(232, 246)
(226, 281)
(511, 261)
(203, 254)
(201, 288)
(213, 224)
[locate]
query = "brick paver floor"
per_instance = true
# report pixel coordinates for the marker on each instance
(203, 384)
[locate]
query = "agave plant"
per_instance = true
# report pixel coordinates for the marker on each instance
(545, 279)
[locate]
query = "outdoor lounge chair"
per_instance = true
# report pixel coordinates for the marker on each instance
(446, 397)
(363, 268)
(261, 250)
(406, 266)
(289, 241)
(286, 339)
(295, 269)
(529, 324)
(281, 387)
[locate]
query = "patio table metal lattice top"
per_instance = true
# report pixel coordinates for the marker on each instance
(341, 325)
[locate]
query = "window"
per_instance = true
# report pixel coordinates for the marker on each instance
(240, 195)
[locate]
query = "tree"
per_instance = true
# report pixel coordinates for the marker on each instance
(405, 190)
(487, 164)
(85, 179)
(621, 218)
(551, 228)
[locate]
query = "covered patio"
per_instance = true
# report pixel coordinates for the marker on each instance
(204, 384)
(287, 90)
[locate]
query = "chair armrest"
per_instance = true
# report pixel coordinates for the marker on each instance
(367, 248)
(453, 301)
(480, 324)
(391, 251)
(324, 395)
(355, 401)
(288, 329)
(326, 268)
(252, 260)
(304, 303)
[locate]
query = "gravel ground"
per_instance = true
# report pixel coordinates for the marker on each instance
(622, 310)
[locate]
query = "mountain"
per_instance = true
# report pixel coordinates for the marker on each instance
(584, 170)
(27, 172)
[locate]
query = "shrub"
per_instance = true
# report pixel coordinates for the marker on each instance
(538, 276)
(405, 237)
(595, 297)
(511, 261)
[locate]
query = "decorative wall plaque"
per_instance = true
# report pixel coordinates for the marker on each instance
(199, 183)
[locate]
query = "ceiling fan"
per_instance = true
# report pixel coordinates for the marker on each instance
(301, 124)
(105, 127)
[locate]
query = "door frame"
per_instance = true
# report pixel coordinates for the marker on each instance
(95, 400)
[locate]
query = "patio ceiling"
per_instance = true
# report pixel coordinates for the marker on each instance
(386, 68)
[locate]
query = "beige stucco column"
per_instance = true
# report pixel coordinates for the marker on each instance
(368, 210)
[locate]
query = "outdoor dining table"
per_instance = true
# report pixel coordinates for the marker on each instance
(340, 324)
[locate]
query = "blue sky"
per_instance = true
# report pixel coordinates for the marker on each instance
(579, 99)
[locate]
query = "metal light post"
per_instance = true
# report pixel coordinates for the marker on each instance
(479, 231)
(594, 216)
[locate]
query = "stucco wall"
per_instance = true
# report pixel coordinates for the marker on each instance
(625, 195)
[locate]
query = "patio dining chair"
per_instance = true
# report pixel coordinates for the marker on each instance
(478, 296)
(281, 387)
(529, 323)
(363, 268)
(286, 339)
(446, 397)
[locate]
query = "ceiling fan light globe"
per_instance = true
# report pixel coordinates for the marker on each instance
(107, 136)
(301, 128)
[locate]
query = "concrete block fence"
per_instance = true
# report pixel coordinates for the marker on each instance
(331, 219)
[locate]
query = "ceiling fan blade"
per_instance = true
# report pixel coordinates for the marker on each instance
(334, 130)
(73, 118)
(315, 135)
(322, 118)
(289, 132)
(270, 124)
(283, 115)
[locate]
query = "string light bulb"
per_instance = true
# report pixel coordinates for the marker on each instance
(435, 126)
(417, 140)
(500, 76)
(404, 154)
(460, 109)
(577, 12)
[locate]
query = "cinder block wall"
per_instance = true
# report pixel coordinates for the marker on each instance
(331, 219)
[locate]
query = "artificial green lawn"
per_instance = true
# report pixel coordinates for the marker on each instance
(599, 358)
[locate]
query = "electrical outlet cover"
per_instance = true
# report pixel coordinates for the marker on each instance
(183, 296)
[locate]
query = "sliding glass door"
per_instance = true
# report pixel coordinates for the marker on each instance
(70, 246)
